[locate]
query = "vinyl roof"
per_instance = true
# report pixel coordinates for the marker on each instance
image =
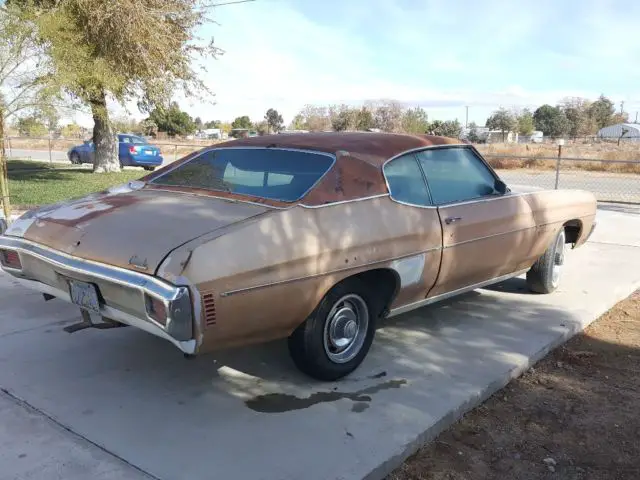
(372, 147)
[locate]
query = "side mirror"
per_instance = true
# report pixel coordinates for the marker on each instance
(501, 187)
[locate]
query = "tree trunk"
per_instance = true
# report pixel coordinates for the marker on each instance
(4, 180)
(104, 139)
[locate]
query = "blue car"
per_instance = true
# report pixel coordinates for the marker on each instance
(133, 151)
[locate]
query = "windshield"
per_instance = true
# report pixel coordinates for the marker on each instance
(271, 173)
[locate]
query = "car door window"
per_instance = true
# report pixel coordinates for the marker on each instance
(456, 175)
(406, 183)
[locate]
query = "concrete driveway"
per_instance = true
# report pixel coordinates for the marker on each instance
(122, 404)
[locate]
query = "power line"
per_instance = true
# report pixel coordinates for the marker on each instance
(213, 5)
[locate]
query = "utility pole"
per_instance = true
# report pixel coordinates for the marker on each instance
(636, 117)
(621, 107)
(466, 121)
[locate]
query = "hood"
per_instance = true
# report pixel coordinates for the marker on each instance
(129, 226)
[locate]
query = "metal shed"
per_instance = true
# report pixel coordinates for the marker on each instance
(630, 131)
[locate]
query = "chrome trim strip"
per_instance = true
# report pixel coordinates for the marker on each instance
(226, 199)
(486, 198)
(453, 293)
(426, 147)
(333, 157)
(490, 236)
(341, 202)
(443, 205)
(188, 346)
(315, 275)
(120, 276)
(427, 207)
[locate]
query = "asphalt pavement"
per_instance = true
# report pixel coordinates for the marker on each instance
(120, 403)
(610, 187)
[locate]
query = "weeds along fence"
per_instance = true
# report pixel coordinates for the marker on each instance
(613, 176)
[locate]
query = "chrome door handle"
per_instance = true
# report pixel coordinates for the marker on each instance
(450, 220)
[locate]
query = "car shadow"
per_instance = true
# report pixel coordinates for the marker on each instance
(513, 285)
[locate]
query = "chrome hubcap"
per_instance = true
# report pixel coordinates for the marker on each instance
(558, 260)
(345, 328)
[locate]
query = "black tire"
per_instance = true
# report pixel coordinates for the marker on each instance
(150, 169)
(309, 343)
(541, 277)
(74, 158)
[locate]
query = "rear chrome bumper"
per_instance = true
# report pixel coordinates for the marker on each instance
(123, 291)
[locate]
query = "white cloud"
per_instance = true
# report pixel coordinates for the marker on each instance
(432, 53)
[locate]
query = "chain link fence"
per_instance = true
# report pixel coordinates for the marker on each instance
(608, 180)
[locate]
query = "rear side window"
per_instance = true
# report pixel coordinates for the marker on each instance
(456, 174)
(285, 175)
(406, 183)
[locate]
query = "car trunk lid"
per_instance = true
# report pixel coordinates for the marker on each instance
(133, 229)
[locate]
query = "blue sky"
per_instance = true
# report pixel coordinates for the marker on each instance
(441, 55)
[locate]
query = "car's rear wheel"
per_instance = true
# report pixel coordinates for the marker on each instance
(150, 169)
(335, 338)
(544, 275)
(74, 158)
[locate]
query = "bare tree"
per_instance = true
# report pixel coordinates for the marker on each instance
(123, 50)
(25, 81)
(387, 114)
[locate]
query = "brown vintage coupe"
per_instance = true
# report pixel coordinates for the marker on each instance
(310, 236)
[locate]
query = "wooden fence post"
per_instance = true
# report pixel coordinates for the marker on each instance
(558, 165)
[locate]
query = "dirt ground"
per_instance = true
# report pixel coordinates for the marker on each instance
(574, 415)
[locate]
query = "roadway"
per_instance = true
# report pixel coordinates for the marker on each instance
(612, 187)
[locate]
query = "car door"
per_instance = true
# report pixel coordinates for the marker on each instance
(85, 151)
(487, 232)
(123, 150)
(417, 229)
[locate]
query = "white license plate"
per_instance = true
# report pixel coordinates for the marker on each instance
(85, 295)
(148, 152)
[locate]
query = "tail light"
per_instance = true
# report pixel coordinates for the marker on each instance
(10, 259)
(157, 309)
(175, 315)
(132, 149)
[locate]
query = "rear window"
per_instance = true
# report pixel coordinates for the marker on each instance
(133, 139)
(272, 173)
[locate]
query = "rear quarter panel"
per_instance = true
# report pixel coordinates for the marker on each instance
(553, 208)
(288, 260)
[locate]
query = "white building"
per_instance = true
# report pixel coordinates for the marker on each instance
(211, 133)
(625, 131)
